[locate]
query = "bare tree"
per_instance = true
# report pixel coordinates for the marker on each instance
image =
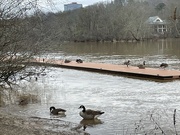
(110, 21)
(20, 38)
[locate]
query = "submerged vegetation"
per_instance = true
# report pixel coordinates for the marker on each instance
(25, 99)
(158, 122)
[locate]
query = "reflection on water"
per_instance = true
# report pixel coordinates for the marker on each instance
(162, 48)
(124, 100)
(57, 116)
(154, 53)
(91, 123)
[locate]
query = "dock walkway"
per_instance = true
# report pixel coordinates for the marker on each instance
(154, 73)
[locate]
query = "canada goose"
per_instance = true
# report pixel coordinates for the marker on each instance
(89, 114)
(142, 66)
(79, 61)
(127, 63)
(164, 65)
(67, 61)
(57, 111)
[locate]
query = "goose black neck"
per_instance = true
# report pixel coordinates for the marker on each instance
(84, 109)
(144, 63)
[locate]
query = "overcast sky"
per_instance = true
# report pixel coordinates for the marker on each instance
(58, 5)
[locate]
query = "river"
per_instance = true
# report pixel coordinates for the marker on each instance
(128, 103)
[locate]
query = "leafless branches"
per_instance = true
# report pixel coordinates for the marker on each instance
(20, 38)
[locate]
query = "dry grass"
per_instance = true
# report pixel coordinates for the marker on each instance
(1, 97)
(24, 99)
(21, 125)
(8, 96)
(1, 101)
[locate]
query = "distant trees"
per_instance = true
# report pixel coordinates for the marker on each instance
(160, 6)
(106, 22)
(103, 22)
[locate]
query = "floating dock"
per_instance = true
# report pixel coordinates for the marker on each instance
(132, 71)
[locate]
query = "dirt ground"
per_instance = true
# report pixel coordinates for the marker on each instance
(18, 125)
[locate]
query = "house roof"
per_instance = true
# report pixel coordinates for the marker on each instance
(155, 20)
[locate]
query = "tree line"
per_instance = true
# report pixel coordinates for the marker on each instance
(112, 22)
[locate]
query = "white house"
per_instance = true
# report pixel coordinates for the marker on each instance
(159, 25)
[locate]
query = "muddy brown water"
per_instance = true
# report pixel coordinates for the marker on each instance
(127, 102)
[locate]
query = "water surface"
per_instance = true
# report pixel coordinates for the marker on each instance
(125, 101)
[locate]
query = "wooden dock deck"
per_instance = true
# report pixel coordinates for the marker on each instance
(153, 73)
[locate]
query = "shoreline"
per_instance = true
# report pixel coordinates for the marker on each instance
(21, 125)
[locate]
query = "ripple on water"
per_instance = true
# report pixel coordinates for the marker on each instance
(124, 100)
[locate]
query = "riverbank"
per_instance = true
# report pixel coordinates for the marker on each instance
(20, 125)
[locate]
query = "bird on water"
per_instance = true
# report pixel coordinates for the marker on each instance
(57, 111)
(89, 113)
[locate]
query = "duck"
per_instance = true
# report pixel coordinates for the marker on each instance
(127, 63)
(163, 65)
(79, 61)
(89, 114)
(57, 111)
(142, 66)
